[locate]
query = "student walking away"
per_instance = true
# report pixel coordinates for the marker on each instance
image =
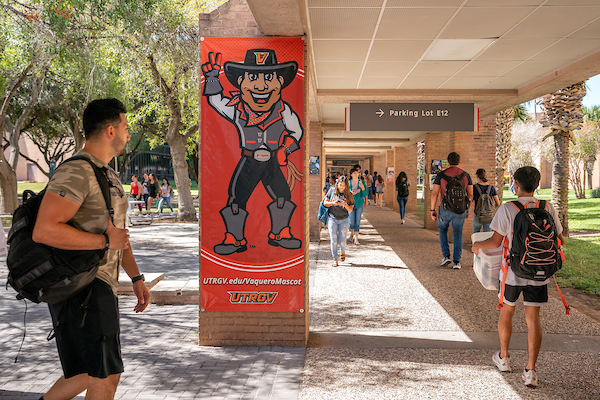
(486, 202)
(87, 325)
(145, 191)
(339, 202)
(456, 191)
(359, 191)
(402, 184)
(166, 192)
(511, 217)
(327, 185)
(136, 190)
(369, 182)
(374, 187)
(153, 191)
(380, 187)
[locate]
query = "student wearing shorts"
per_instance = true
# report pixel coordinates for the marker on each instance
(535, 293)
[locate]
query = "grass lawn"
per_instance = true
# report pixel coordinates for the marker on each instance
(581, 269)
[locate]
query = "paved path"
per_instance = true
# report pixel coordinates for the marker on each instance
(389, 323)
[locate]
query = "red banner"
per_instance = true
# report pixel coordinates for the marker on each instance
(252, 163)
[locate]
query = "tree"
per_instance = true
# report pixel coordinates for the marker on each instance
(563, 115)
(163, 40)
(583, 155)
(592, 115)
(504, 123)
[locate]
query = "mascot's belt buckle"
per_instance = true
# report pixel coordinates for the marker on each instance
(262, 155)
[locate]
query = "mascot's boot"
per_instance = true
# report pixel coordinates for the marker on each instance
(281, 213)
(235, 221)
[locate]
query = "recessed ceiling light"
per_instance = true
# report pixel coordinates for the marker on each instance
(457, 49)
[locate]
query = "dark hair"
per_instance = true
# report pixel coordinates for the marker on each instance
(379, 179)
(101, 113)
(357, 166)
(481, 174)
(401, 176)
(528, 178)
(366, 172)
(453, 158)
(168, 183)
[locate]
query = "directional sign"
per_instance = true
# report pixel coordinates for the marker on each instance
(412, 117)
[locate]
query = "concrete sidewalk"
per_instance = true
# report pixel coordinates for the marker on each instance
(389, 323)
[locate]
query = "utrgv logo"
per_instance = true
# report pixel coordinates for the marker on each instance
(261, 58)
(252, 297)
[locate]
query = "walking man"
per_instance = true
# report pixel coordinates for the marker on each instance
(73, 216)
(456, 191)
(535, 292)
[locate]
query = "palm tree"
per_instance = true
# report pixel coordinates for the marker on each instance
(504, 124)
(563, 115)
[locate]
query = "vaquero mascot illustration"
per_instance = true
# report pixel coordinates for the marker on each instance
(269, 131)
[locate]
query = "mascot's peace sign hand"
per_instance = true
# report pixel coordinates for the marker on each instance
(211, 68)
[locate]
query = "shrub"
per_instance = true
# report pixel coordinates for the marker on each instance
(596, 193)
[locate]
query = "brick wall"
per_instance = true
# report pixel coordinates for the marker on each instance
(217, 328)
(405, 159)
(233, 18)
(476, 149)
(315, 182)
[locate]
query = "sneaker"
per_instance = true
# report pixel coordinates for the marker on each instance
(503, 364)
(530, 378)
(456, 265)
(445, 261)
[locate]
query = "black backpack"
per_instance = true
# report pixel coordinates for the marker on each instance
(403, 188)
(536, 250)
(455, 198)
(43, 273)
(484, 208)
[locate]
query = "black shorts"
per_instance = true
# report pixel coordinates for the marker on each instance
(535, 296)
(88, 337)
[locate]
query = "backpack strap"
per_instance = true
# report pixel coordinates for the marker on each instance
(517, 204)
(103, 182)
(478, 189)
(504, 266)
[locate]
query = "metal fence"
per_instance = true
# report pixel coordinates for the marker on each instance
(157, 162)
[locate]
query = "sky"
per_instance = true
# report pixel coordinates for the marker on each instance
(592, 97)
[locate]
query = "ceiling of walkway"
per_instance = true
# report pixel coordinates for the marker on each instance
(494, 53)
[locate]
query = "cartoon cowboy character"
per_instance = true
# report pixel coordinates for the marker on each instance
(261, 119)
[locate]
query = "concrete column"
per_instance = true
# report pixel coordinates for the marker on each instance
(477, 150)
(315, 182)
(405, 159)
(390, 188)
(437, 147)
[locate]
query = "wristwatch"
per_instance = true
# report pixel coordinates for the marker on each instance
(138, 278)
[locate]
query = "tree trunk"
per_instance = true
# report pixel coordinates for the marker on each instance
(186, 210)
(504, 123)
(8, 185)
(560, 179)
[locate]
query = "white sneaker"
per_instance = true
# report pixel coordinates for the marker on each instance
(445, 261)
(456, 265)
(503, 364)
(530, 378)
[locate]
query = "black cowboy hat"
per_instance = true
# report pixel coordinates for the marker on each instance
(260, 60)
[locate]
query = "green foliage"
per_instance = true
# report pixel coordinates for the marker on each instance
(581, 269)
(595, 194)
(591, 113)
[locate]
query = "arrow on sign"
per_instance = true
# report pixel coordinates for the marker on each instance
(380, 113)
